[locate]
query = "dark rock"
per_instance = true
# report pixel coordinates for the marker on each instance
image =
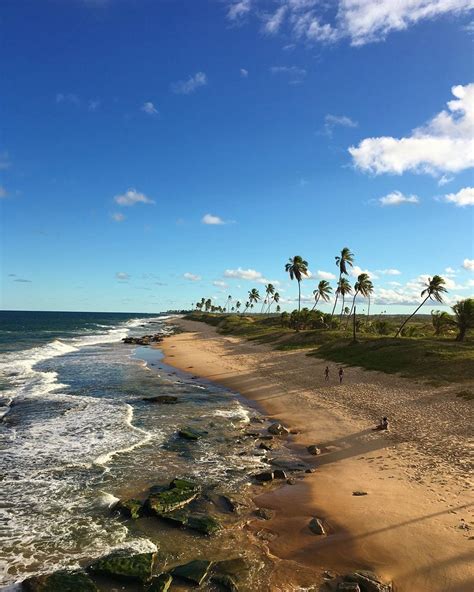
(162, 399)
(288, 464)
(278, 429)
(264, 513)
(195, 571)
(313, 449)
(265, 476)
(266, 437)
(64, 581)
(368, 582)
(264, 446)
(130, 508)
(144, 340)
(225, 581)
(131, 567)
(316, 526)
(291, 481)
(179, 494)
(310, 471)
(201, 522)
(190, 433)
(348, 587)
(359, 493)
(279, 474)
(160, 583)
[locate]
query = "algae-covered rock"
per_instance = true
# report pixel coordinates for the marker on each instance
(161, 583)
(130, 508)
(190, 433)
(195, 571)
(180, 493)
(162, 399)
(119, 565)
(226, 582)
(201, 522)
(64, 581)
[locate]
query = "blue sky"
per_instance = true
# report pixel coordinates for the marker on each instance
(155, 152)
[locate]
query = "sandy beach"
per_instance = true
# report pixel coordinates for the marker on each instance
(414, 525)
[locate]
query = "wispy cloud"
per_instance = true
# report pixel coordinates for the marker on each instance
(332, 121)
(93, 105)
(243, 274)
(293, 74)
(274, 21)
(118, 217)
(185, 87)
(212, 220)
(122, 276)
(396, 198)
(4, 161)
(464, 197)
(149, 108)
(132, 197)
(192, 277)
(238, 9)
(3, 192)
(325, 275)
(390, 271)
(70, 98)
(22, 281)
(220, 284)
(244, 73)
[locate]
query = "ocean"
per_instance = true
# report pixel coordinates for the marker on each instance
(76, 435)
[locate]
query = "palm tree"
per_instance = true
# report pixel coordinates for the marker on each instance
(229, 298)
(344, 288)
(278, 309)
(247, 304)
(276, 298)
(434, 290)
(342, 261)
(254, 296)
(297, 267)
(269, 291)
(464, 317)
(323, 291)
(362, 286)
(440, 320)
(238, 305)
(208, 304)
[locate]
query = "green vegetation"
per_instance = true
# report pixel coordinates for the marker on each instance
(419, 354)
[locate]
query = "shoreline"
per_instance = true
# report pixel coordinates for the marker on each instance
(411, 528)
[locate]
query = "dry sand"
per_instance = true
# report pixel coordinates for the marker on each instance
(415, 525)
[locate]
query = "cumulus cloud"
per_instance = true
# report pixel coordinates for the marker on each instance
(212, 220)
(243, 274)
(132, 197)
(118, 217)
(332, 121)
(325, 275)
(444, 144)
(244, 73)
(464, 197)
(355, 271)
(294, 74)
(468, 264)
(122, 276)
(149, 108)
(389, 271)
(396, 198)
(186, 87)
(192, 277)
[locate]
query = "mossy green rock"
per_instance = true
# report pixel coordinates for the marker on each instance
(160, 583)
(130, 508)
(190, 433)
(200, 522)
(180, 493)
(60, 581)
(195, 571)
(121, 566)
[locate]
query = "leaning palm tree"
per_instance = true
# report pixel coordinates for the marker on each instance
(276, 299)
(254, 296)
(208, 304)
(362, 286)
(464, 317)
(247, 304)
(238, 305)
(297, 267)
(434, 290)
(278, 309)
(322, 292)
(344, 289)
(342, 261)
(269, 291)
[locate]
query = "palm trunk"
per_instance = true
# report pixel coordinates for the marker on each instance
(299, 295)
(316, 302)
(334, 307)
(412, 315)
(368, 309)
(342, 307)
(271, 302)
(352, 308)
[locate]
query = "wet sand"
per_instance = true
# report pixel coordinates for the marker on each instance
(414, 526)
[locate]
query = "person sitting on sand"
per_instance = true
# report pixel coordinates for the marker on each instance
(383, 425)
(341, 374)
(326, 373)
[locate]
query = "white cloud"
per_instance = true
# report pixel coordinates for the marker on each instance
(238, 9)
(444, 180)
(464, 197)
(274, 21)
(244, 73)
(355, 271)
(243, 274)
(294, 74)
(212, 220)
(389, 271)
(444, 144)
(118, 217)
(220, 284)
(332, 121)
(122, 276)
(3, 192)
(325, 275)
(132, 197)
(185, 87)
(468, 264)
(397, 198)
(149, 108)
(192, 277)
(450, 270)
(67, 98)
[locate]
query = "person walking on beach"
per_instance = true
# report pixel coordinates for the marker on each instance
(326, 373)
(341, 375)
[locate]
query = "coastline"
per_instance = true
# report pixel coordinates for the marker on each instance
(413, 525)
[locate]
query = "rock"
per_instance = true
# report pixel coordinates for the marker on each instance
(291, 481)
(201, 522)
(131, 567)
(348, 587)
(310, 471)
(190, 433)
(64, 581)
(264, 446)
(313, 449)
(130, 508)
(279, 474)
(266, 437)
(161, 399)
(226, 582)
(195, 571)
(288, 464)
(265, 476)
(180, 493)
(359, 493)
(368, 582)
(160, 583)
(316, 526)
(278, 430)
(144, 340)
(264, 513)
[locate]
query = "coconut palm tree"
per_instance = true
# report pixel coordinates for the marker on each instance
(342, 261)
(229, 299)
(254, 296)
(434, 290)
(278, 309)
(323, 291)
(247, 304)
(269, 291)
(344, 288)
(464, 317)
(276, 298)
(363, 286)
(441, 320)
(208, 304)
(297, 267)
(238, 305)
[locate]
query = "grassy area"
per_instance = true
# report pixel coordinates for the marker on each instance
(437, 360)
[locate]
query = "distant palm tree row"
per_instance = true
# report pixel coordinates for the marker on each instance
(297, 268)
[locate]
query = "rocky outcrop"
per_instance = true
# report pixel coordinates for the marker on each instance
(277, 429)
(161, 583)
(191, 433)
(264, 513)
(226, 582)
(195, 571)
(161, 399)
(202, 523)
(130, 508)
(313, 449)
(128, 567)
(367, 582)
(144, 340)
(265, 476)
(179, 494)
(65, 581)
